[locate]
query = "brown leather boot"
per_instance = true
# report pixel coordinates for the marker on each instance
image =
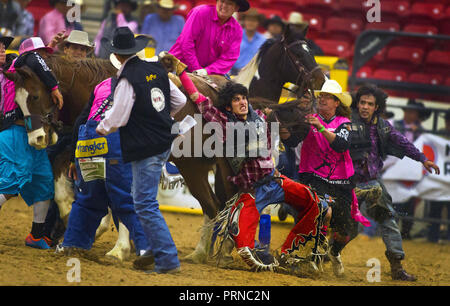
(397, 271)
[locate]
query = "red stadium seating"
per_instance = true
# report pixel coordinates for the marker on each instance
(404, 54)
(394, 8)
(345, 27)
(423, 78)
(389, 26)
(318, 4)
(365, 72)
(427, 10)
(334, 47)
(184, 6)
(438, 58)
(315, 22)
(419, 28)
(269, 13)
(392, 75)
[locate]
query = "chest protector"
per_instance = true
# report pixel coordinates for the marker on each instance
(10, 111)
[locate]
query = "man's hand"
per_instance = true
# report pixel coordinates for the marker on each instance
(314, 121)
(58, 38)
(73, 172)
(429, 165)
(201, 72)
(99, 132)
(172, 63)
(57, 98)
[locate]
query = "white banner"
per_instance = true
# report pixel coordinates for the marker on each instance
(407, 178)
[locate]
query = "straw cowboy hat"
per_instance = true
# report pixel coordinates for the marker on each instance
(253, 13)
(333, 87)
(124, 42)
(78, 38)
(167, 4)
(296, 18)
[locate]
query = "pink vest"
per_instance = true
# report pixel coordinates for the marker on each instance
(101, 92)
(318, 157)
(8, 103)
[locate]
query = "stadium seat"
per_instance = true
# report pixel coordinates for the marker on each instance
(438, 58)
(423, 78)
(184, 6)
(404, 54)
(315, 22)
(318, 4)
(420, 28)
(388, 26)
(394, 8)
(391, 75)
(447, 82)
(432, 11)
(365, 72)
(334, 47)
(285, 6)
(345, 27)
(269, 13)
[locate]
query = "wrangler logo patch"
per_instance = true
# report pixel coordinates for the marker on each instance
(91, 147)
(151, 77)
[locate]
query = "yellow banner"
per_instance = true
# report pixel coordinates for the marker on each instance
(91, 147)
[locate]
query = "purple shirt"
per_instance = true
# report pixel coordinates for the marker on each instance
(206, 43)
(370, 168)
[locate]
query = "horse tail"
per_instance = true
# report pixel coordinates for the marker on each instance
(247, 73)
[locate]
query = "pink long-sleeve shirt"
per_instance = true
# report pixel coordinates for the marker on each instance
(51, 24)
(206, 43)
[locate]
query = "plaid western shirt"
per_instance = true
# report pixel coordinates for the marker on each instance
(253, 169)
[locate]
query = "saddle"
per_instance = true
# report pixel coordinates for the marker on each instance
(205, 79)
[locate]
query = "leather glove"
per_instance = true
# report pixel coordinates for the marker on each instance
(172, 63)
(201, 72)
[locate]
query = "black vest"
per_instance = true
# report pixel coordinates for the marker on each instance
(148, 131)
(361, 144)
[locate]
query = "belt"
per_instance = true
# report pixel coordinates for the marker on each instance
(19, 122)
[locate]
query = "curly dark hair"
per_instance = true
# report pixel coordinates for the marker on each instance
(227, 93)
(370, 89)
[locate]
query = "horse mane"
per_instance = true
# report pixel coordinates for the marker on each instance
(98, 69)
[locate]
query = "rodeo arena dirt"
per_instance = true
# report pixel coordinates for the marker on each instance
(349, 187)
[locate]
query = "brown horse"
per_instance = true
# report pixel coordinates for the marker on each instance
(78, 78)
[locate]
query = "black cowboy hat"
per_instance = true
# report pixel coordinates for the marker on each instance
(243, 5)
(124, 42)
(275, 19)
(53, 2)
(424, 113)
(6, 40)
(130, 2)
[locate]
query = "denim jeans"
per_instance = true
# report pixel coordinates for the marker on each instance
(390, 232)
(146, 175)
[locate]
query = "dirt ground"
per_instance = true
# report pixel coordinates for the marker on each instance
(24, 266)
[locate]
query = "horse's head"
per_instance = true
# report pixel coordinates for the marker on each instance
(37, 107)
(301, 67)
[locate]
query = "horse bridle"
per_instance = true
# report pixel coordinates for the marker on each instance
(302, 72)
(34, 122)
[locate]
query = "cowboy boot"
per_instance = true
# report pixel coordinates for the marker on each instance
(397, 271)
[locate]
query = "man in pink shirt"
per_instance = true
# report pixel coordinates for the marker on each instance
(211, 38)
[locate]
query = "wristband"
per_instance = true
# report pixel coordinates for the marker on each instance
(322, 129)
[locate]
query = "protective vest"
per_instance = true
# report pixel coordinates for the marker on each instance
(103, 97)
(254, 129)
(361, 142)
(319, 158)
(10, 110)
(148, 131)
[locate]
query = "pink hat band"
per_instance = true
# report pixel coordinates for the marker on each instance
(33, 43)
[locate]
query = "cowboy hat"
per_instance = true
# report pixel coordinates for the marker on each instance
(253, 13)
(130, 2)
(296, 18)
(124, 42)
(333, 87)
(243, 5)
(275, 19)
(424, 113)
(6, 40)
(78, 38)
(33, 43)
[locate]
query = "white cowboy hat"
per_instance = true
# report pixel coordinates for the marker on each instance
(79, 38)
(297, 19)
(333, 87)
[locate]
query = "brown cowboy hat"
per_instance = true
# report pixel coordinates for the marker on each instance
(253, 13)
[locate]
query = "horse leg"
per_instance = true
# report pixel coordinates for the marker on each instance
(121, 250)
(195, 174)
(104, 225)
(64, 193)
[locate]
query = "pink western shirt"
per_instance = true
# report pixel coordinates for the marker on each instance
(51, 24)
(206, 43)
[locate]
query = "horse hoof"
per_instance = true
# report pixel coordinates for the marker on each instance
(225, 262)
(120, 253)
(196, 257)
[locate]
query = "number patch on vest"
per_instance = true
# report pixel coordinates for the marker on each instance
(158, 99)
(91, 147)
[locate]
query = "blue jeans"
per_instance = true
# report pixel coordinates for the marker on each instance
(146, 175)
(388, 227)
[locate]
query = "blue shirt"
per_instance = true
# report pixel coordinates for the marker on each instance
(248, 49)
(164, 32)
